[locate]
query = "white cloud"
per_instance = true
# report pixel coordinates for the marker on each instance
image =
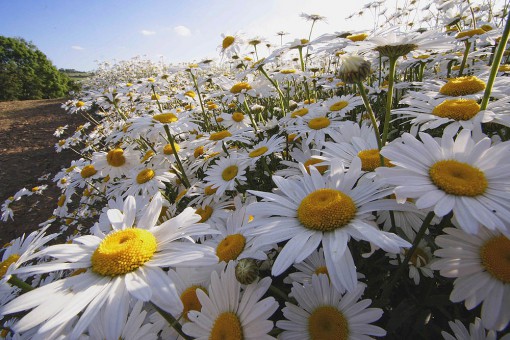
(147, 32)
(76, 47)
(182, 31)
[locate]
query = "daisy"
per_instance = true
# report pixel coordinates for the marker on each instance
(479, 263)
(419, 263)
(475, 332)
(265, 148)
(314, 128)
(327, 209)
(324, 313)
(471, 179)
(145, 180)
(229, 313)
(114, 163)
(471, 87)
(231, 44)
(340, 106)
(127, 262)
(315, 263)
(235, 121)
(226, 173)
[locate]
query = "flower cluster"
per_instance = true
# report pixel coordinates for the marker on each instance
(348, 186)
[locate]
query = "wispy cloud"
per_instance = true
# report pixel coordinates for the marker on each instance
(76, 47)
(147, 32)
(182, 31)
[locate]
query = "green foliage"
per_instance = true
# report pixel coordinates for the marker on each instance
(26, 73)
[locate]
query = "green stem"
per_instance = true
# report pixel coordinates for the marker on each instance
(464, 58)
(364, 96)
(206, 119)
(389, 99)
(279, 293)
(495, 64)
(275, 84)
(172, 321)
(178, 160)
(15, 281)
(250, 115)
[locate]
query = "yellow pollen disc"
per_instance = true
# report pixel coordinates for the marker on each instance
(230, 247)
(419, 258)
(34, 189)
(61, 200)
(155, 97)
(457, 109)
(227, 326)
(88, 171)
(116, 157)
(319, 123)
(370, 159)
(229, 172)
(80, 104)
(6, 264)
(304, 41)
(190, 94)
(181, 195)
(462, 86)
(61, 142)
(457, 178)
(151, 80)
(220, 135)
(321, 270)
(169, 150)
(326, 210)
(237, 116)
(312, 161)
(212, 106)
(300, 112)
(227, 41)
(63, 181)
(190, 300)
(219, 119)
(339, 105)
(422, 56)
(328, 323)
(470, 33)
(147, 155)
(357, 37)
(198, 151)
(288, 71)
(165, 118)
(123, 251)
(209, 190)
(291, 137)
(311, 101)
(258, 152)
(237, 88)
(504, 68)
(495, 255)
(144, 176)
(205, 213)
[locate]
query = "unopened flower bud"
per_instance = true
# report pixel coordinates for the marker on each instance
(353, 69)
(247, 271)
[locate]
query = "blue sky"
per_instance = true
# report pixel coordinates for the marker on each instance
(77, 34)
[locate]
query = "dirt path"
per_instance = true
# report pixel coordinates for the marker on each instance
(26, 153)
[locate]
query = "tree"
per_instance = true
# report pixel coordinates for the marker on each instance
(26, 72)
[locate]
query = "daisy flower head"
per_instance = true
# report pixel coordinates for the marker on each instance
(145, 179)
(471, 179)
(305, 154)
(315, 263)
(229, 313)
(226, 173)
(327, 209)
(340, 106)
(314, 128)
(264, 148)
(236, 120)
(323, 313)
(481, 268)
(469, 87)
(419, 263)
(115, 163)
(114, 267)
(231, 44)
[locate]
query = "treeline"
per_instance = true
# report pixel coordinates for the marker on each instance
(26, 73)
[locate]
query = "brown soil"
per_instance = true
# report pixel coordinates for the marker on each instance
(27, 152)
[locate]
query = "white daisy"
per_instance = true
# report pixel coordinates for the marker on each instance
(324, 313)
(340, 106)
(475, 332)
(226, 173)
(265, 148)
(472, 180)
(144, 180)
(127, 262)
(114, 163)
(481, 266)
(229, 313)
(329, 209)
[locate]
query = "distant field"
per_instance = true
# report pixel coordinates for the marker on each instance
(77, 75)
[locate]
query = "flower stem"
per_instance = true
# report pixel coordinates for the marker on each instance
(172, 321)
(15, 281)
(389, 99)
(495, 64)
(464, 58)
(178, 160)
(206, 119)
(364, 96)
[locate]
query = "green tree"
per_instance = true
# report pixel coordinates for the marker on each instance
(26, 72)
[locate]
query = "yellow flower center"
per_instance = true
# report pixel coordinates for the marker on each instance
(258, 152)
(504, 68)
(470, 33)
(288, 71)
(169, 150)
(322, 270)
(327, 323)
(326, 210)
(61, 200)
(319, 123)
(209, 190)
(229, 172)
(339, 105)
(457, 178)
(357, 37)
(205, 212)
(227, 41)
(238, 116)
(237, 88)
(147, 155)
(190, 300)
(88, 171)
(165, 118)
(198, 151)
(462, 86)
(457, 109)
(220, 135)
(300, 112)
(419, 257)
(312, 161)
(370, 159)
(144, 176)
(495, 255)
(230, 247)
(227, 326)
(155, 97)
(190, 94)
(7, 263)
(61, 142)
(80, 104)
(123, 251)
(116, 157)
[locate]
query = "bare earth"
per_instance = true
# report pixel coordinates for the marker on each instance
(27, 152)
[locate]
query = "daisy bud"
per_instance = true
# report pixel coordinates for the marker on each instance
(247, 271)
(353, 69)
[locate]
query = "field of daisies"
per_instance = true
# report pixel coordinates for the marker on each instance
(351, 185)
